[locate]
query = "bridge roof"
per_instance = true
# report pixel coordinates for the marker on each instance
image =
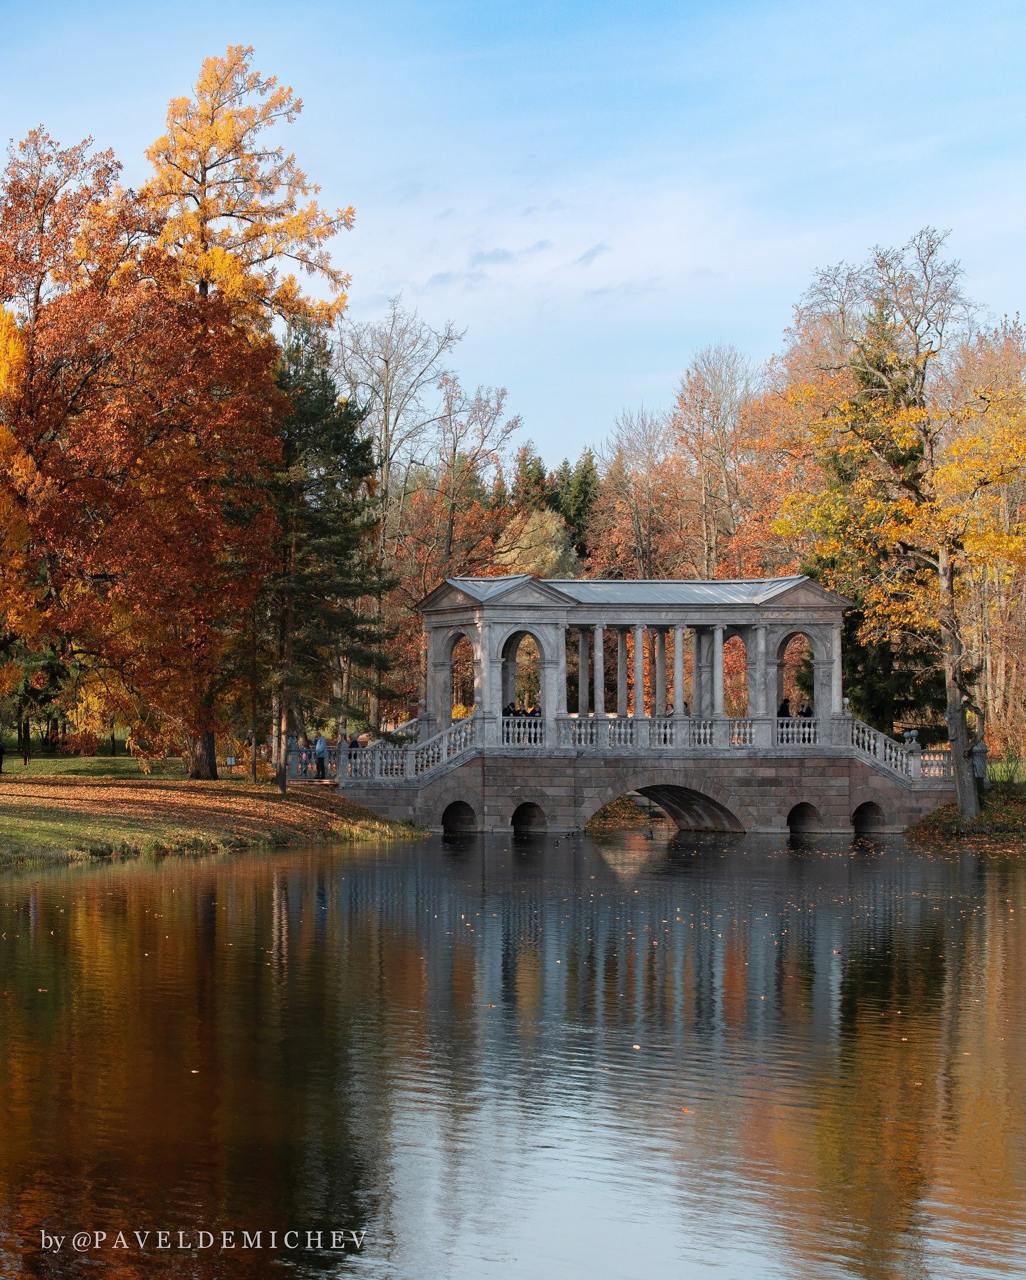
(636, 591)
(672, 591)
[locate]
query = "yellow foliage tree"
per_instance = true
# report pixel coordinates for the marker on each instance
(235, 207)
(915, 455)
(19, 603)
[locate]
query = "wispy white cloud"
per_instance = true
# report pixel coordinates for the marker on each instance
(589, 255)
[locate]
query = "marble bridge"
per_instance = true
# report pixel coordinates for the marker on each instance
(644, 710)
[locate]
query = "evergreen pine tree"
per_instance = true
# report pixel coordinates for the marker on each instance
(319, 604)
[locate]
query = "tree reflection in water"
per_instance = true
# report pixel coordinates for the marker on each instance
(524, 1057)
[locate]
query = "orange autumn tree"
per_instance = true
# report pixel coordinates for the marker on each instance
(238, 214)
(135, 439)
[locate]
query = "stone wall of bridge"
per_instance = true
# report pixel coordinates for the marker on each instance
(738, 792)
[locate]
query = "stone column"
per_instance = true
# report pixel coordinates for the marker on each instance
(696, 672)
(553, 681)
(775, 685)
(717, 671)
(583, 674)
(836, 677)
(822, 675)
(760, 706)
(705, 649)
(487, 685)
(439, 682)
(560, 708)
(639, 672)
(660, 672)
(509, 680)
(600, 671)
(621, 672)
(678, 671)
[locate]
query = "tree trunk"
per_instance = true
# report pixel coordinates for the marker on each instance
(282, 776)
(275, 736)
(203, 757)
(253, 703)
(284, 677)
(374, 694)
(958, 728)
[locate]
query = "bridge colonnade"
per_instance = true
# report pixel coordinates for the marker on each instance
(667, 619)
(650, 714)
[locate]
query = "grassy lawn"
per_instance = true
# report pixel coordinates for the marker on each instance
(89, 767)
(59, 809)
(1013, 770)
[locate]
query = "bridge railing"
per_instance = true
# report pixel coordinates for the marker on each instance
(936, 764)
(741, 733)
(391, 763)
(620, 732)
(797, 731)
(523, 731)
(896, 756)
(303, 765)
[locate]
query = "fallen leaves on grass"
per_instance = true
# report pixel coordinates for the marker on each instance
(178, 815)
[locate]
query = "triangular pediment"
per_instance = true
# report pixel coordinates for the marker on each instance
(519, 590)
(805, 593)
(532, 593)
(448, 596)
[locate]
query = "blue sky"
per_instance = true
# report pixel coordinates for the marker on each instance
(595, 190)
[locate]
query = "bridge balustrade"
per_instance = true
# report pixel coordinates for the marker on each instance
(389, 763)
(936, 764)
(302, 766)
(742, 733)
(579, 733)
(621, 732)
(700, 733)
(523, 731)
(797, 731)
(661, 731)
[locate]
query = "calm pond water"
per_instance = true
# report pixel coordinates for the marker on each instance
(564, 1059)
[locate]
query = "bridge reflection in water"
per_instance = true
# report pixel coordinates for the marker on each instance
(714, 1056)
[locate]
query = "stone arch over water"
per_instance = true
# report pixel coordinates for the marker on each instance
(694, 804)
(804, 819)
(528, 819)
(458, 818)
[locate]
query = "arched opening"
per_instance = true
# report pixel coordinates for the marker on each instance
(528, 820)
(687, 809)
(735, 677)
(461, 666)
(458, 819)
(868, 819)
(521, 674)
(795, 676)
(803, 819)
